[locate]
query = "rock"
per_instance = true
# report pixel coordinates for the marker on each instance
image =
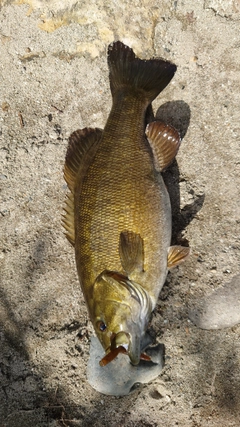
(120, 377)
(219, 310)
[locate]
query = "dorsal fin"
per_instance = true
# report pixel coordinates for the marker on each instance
(82, 147)
(131, 251)
(68, 218)
(164, 141)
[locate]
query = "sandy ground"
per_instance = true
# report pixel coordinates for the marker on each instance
(54, 80)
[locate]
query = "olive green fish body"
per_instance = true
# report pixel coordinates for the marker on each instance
(122, 191)
(118, 213)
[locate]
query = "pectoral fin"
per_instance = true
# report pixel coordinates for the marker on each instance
(131, 251)
(164, 141)
(82, 147)
(176, 255)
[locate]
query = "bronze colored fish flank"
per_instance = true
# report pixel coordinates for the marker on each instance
(118, 213)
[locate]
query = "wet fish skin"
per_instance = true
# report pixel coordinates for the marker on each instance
(118, 213)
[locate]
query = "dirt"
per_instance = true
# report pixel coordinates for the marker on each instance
(54, 80)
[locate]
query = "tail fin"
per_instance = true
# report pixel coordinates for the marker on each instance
(129, 72)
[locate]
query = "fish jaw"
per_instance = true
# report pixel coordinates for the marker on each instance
(134, 348)
(121, 314)
(131, 342)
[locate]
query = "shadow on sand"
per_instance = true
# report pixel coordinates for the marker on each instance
(177, 114)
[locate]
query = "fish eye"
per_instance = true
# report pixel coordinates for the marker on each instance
(101, 326)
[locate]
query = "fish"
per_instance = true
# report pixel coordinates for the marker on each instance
(118, 212)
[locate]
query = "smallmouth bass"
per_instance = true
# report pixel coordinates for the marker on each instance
(118, 213)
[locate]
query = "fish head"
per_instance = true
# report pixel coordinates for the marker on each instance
(121, 312)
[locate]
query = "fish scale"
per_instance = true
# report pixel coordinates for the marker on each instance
(118, 213)
(121, 193)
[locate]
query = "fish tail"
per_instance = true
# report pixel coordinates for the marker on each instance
(140, 77)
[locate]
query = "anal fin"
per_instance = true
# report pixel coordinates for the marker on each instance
(164, 141)
(131, 251)
(176, 255)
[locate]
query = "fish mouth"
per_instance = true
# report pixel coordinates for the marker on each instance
(119, 344)
(122, 343)
(121, 339)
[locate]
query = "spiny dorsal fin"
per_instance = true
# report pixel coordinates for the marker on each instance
(176, 255)
(164, 141)
(82, 146)
(131, 251)
(68, 218)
